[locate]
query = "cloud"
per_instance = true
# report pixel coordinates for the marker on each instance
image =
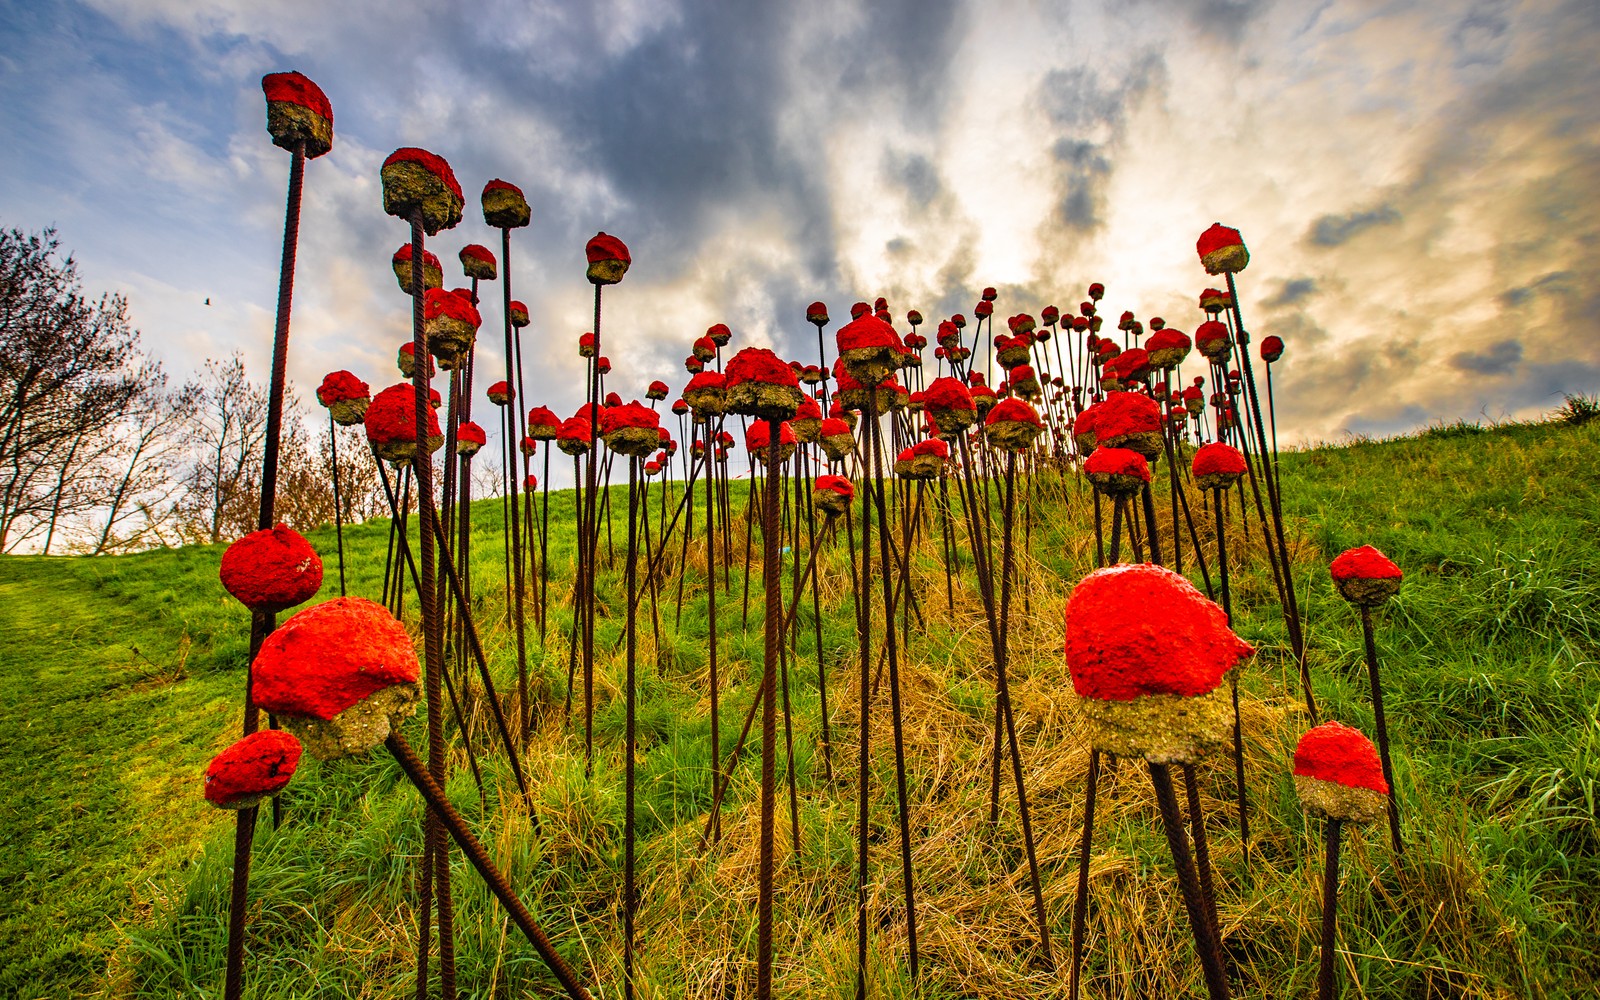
(1291, 292)
(1336, 230)
(1500, 358)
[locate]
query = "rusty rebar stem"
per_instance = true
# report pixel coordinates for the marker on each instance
(479, 859)
(1205, 943)
(1383, 731)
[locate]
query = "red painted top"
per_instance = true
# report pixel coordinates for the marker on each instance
(429, 258)
(1341, 754)
(500, 393)
(430, 162)
(437, 302)
(469, 432)
(658, 390)
(1217, 237)
(635, 414)
(931, 446)
(1217, 458)
(1122, 413)
(757, 364)
(271, 570)
(340, 386)
(704, 380)
(260, 764)
(499, 185)
(1117, 462)
(476, 251)
(1271, 349)
(297, 88)
(518, 309)
(809, 410)
(1097, 291)
(833, 427)
(574, 429)
(543, 416)
(983, 309)
(1050, 315)
(392, 416)
(605, 247)
(947, 393)
(1130, 362)
(1167, 338)
(1013, 411)
(866, 332)
(1140, 629)
(719, 334)
(1209, 331)
(327, 658)
(760, 435)
(835, 484)
(817, 313)
(1363, 563)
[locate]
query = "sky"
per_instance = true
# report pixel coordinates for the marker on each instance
(1418, 182)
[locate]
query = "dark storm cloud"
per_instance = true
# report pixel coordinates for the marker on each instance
(1336, 230)
(913, 174)
(1499, 358)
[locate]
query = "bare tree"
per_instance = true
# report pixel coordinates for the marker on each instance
(70, 368)
(141, 473)
(228, 430)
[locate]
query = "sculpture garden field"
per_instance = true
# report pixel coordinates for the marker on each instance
(120, 677)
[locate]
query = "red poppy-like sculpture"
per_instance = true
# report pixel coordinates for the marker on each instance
(251, 770)
(1217, 466)
(478, 262)
(1213, 301)
(837, 439)
(658, 390)
(1148, 653)
(519, 314)
(759, 437)
(1127, 420)
(1337, 774)
(415, 180)
(608, 259)
(719, 334)
(1365, 577)
(340, 676)
(271, 570)
(298, 113)
(432, 270)
(928, 458)
(1222, 250)
(1212, 340)
(869, 349)
(504, 206)
(1012, 425)
(632, 429)
(452, 325)
(807, 422)
(1271, 349)
(501, 393)
(817, 315)
(543, 424)
(832, 494)
(573, 437)
(759, 384)
(950, 404)
(406, 359)
(1167, 347)
(1117, 472)
(345, 396)
(470, 437)
(704, 394)
(392, 424)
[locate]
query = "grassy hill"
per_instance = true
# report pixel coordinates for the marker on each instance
(120, 677)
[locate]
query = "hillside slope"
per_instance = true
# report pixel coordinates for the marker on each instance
(120, 677)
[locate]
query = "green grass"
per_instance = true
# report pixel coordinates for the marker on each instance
(120, 677)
